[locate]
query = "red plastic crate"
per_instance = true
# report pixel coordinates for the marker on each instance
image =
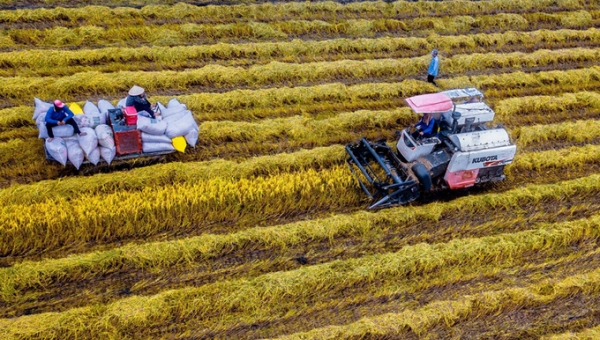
(128, 142)
(130, 115)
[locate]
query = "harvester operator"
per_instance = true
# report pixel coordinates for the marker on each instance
(424, 128)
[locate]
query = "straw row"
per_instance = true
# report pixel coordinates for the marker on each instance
(247, 301)
(184, 12)
(205, 249)
(194, 34)
(19, 89)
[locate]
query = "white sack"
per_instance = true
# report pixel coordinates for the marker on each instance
(58, 150)
(173, 109)
(192, 137)
(156, 147)
(151, 126)
(59, 131)
(90, 109)
(105, 136)
(173, 102)
(182, 126)
(122, 102)
(41, 108)
(93, 156)
(161, 107)
(148, 138)
(75, 153)
(104, 105)
(90, 120)
(108, 154)
(89, 142)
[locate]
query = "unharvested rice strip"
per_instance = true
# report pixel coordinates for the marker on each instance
(160, 175)
(589, 333)
(112, 59)
(214, 205)
(183, 12)
(50, 282)
(248, 105)
(549, 106)
(196, 34)
(281, 293)
(581, 131)
(208, 247)
(538, 302)
(19, 89)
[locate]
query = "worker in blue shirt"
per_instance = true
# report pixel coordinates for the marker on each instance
(60, 114)
(424, 128)
(434, 67)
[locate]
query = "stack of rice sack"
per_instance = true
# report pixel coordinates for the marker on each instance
(173, 129)
(97, 143)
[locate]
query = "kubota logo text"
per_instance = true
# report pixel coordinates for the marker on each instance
(484, 159)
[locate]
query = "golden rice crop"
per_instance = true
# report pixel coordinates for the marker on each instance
(161, 175)
(60, 63)
(452, 311)
(192, 33)
(19, 89)
(565, 104)
(578, 131)
(183, 12)
(281, 293)
(586, 334)
(219, 200)
(154, 256)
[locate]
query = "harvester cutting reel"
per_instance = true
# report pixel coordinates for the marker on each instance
(389, 184)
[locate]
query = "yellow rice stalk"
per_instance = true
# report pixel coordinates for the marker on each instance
(451, 311)
(281, 293)
(100, 15)
(19, 89)
(586, 334)
(192, 33)
(161, 175)
(119, 58)
(547, 105)
(153, 256)
(58, 221)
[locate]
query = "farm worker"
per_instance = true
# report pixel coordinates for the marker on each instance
(434, 67)
(424, 128)
(60, 114)
(137, 99)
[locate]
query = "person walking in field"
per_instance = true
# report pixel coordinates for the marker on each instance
(434, 67)
(60, 114)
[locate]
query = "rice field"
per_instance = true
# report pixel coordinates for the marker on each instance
(261, 231)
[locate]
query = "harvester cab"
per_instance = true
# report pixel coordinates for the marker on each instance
(464, 152)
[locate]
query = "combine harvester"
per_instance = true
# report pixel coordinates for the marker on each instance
(463, 152)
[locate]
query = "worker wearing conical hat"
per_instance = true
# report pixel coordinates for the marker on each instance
(137, 98)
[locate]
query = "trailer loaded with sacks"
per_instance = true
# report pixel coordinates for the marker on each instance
(116, 133)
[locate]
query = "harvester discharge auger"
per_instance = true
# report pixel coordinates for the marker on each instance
(460, 152)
